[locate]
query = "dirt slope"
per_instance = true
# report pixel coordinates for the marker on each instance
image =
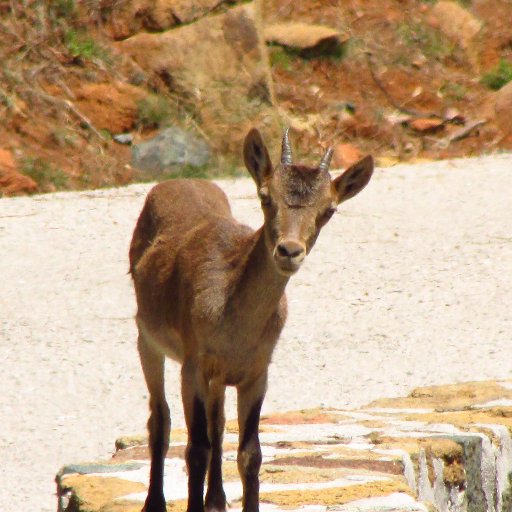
(60, 65)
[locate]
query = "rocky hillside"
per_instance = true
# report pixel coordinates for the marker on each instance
(105, 92)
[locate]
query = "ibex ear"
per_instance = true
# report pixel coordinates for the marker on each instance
(256, 157)
(354, 179)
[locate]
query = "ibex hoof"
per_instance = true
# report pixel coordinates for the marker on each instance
(154, 504)
(215, 504)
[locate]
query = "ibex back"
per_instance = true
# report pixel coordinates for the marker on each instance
(210, 294)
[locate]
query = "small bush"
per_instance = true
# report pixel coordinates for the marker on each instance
(63, 8)
(453, 91)
(279, 57)
(152, 112)
(82, 47)
(499, 76)
(208, 171)
(47, 177)
(431, 42)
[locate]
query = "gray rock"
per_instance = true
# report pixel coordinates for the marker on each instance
(168, 151)
(123, 138)
(93, 468)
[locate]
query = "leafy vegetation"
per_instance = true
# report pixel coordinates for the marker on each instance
(430, 41)
(47, 177)
(220, 169)
(453, 91)
(153, 112)
(63, 9)
(499, 76)
(279, 57)
(82, 47)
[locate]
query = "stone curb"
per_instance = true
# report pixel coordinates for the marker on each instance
(443, 448)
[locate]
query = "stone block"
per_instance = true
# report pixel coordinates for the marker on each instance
(443, 448)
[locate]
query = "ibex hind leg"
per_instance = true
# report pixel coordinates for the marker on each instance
(159, 423)
(194, 393)
(215, 496)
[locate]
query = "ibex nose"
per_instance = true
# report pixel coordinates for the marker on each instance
(290, 249)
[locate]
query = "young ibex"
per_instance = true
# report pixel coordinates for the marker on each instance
(210, 294)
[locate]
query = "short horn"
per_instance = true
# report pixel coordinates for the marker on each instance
(326, 160)
(286, 149)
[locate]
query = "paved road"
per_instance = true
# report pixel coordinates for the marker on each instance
(410, 284)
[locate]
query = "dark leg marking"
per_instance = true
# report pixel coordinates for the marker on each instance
(249, 459)
(155, 501)
(252, 424)
(215, 496)
(198, 451)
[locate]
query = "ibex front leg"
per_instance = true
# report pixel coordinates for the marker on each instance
(250, 399)
(159, 424)
(194, 394)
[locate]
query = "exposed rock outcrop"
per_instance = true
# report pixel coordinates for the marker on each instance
(12, 182)
(503, 109)
(306, 39)
(219, 66)
(460, 26)
(111, 107)
(132, 16)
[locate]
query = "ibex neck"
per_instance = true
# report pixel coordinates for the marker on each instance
(260, 287)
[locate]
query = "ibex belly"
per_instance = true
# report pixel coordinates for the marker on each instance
(165, 338)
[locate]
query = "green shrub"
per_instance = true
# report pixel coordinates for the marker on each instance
(430, 41)
(279, 57)
(82, 47)
(499, 76)
(47, 177)
(152, 111)
(208, 171)
(63, 8)
(453, 91)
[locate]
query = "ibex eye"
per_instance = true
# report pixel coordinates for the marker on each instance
(329, 213)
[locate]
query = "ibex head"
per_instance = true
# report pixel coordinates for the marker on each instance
(297, 200)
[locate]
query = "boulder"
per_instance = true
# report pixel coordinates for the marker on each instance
(459, 25)
(170, 150)
(306, 39)
(12, 182)
(219, 66)
(503, 109)
(427, 125)
(132, 16)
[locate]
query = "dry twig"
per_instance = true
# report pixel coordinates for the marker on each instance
(394, 103)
